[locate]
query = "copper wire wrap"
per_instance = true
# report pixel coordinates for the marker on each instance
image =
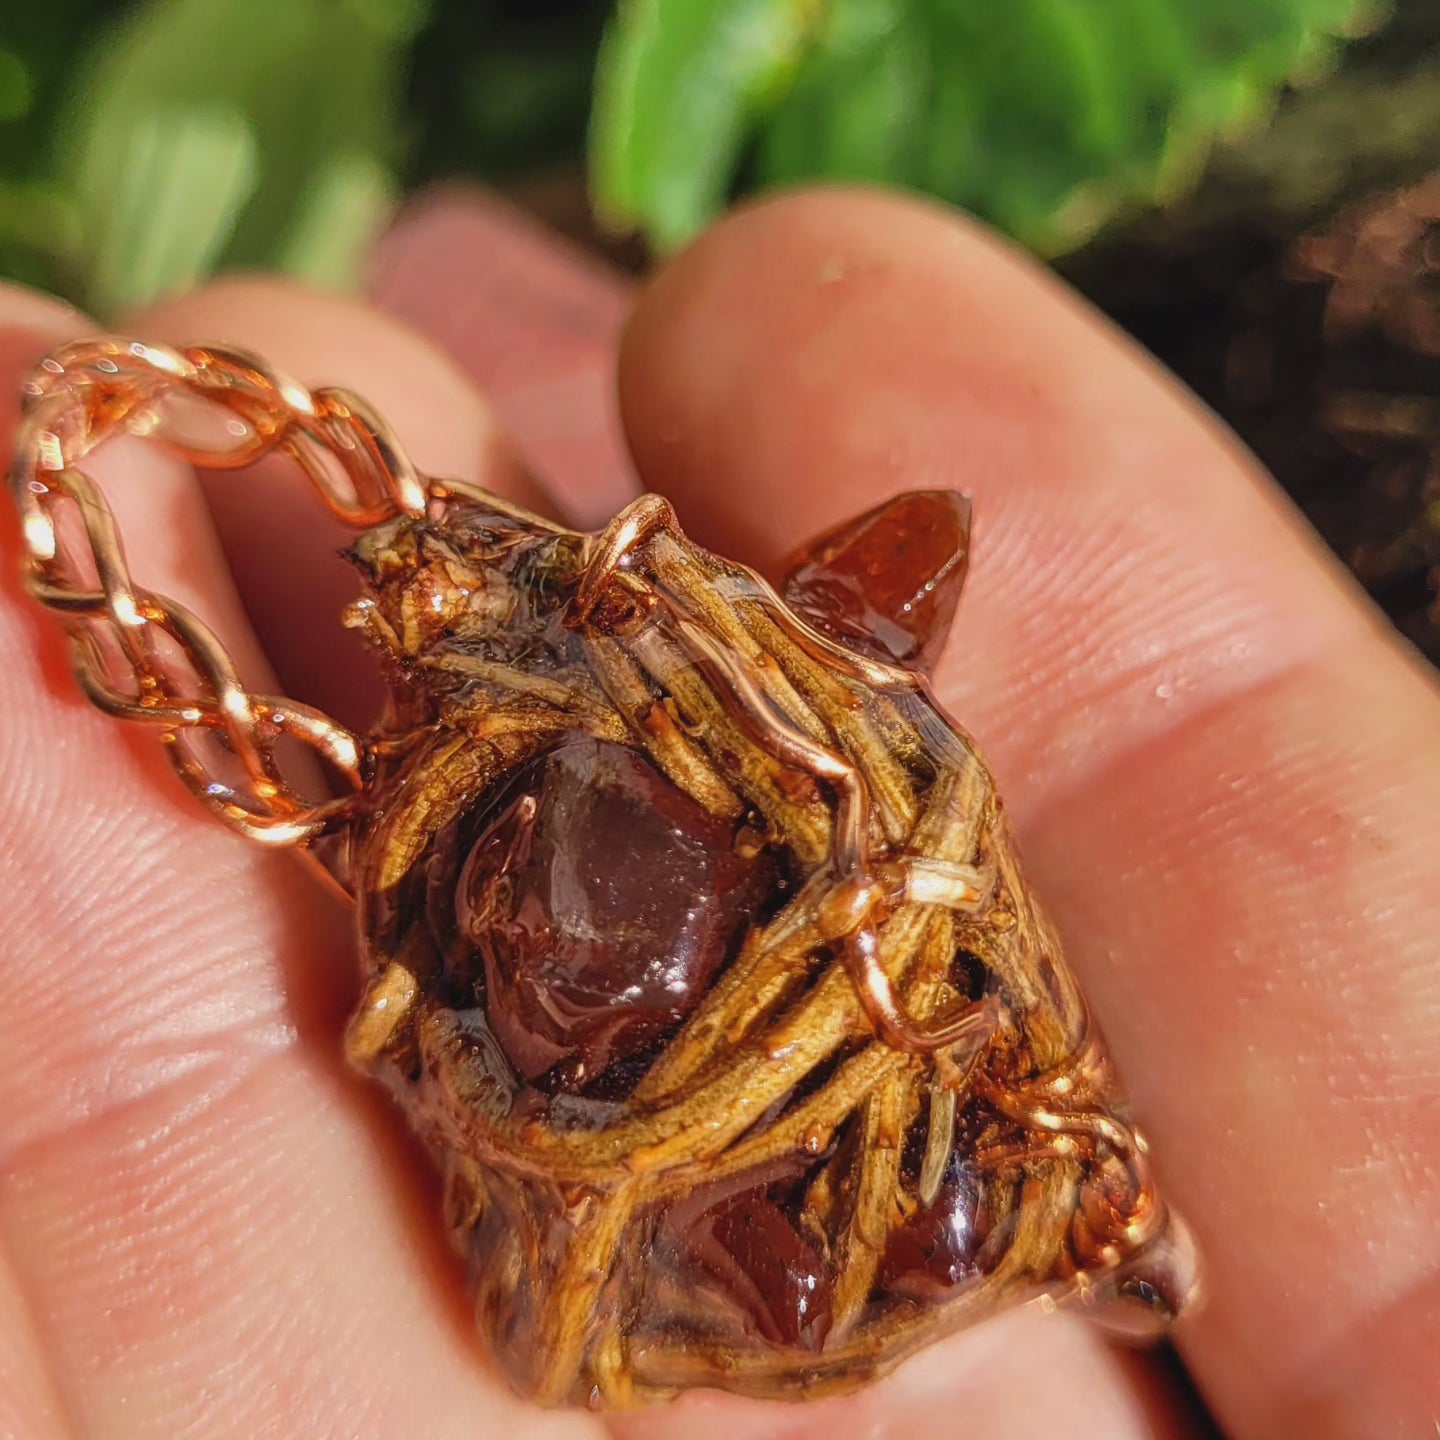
(840, 1013)
(92, 391)
(844, 996)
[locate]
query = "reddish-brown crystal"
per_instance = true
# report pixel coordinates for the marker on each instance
(766, 1269)
(936, 1247)
(603, 901)
(888, 583)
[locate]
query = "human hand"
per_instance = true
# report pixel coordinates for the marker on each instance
(1224, 770)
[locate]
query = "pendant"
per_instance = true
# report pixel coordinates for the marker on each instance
(695, 944)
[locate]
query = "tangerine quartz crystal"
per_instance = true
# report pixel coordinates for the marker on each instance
(698, 952)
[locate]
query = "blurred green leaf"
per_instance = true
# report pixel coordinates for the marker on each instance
(338, 221)
(1047, 117)
(677, 91)
(204, 132)
(161, 202)
(17, 89)
(39, 232)
(39, 229)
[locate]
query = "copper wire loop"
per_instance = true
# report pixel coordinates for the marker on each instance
(90, 392)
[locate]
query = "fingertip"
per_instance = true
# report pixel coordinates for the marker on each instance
(868, 342)
(324, 338)
(533, 320)
(25, 309)
(1223, 767)
(822, 351)
(30, 324)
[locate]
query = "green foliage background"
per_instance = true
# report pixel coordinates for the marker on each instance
(1167, 155)
(144, 143)
(1047, 117)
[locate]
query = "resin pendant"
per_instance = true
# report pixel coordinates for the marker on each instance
(695, 943)
(698, 951)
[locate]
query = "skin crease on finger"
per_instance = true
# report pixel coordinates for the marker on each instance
(1225, 771)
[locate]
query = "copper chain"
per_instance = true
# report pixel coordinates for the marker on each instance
(139, 655)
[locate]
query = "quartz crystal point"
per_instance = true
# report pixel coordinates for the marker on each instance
(888, 583)
(647, 852)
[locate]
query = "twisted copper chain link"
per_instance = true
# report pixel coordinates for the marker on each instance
(139, 655)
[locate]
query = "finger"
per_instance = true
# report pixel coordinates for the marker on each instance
(533, 322)
(191, 1190)
(283, 545)
(60, 764)
(1226, 776)
(30, 1403)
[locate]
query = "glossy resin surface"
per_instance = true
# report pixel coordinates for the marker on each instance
(698, 951)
